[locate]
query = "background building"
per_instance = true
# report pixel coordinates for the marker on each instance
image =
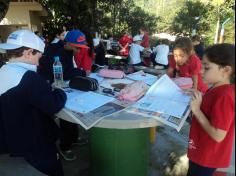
(22, 14)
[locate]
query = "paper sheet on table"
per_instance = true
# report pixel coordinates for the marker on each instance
(85, 102)
(140, 75)
(164, 96)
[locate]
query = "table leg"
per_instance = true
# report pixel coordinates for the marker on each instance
(116, 152)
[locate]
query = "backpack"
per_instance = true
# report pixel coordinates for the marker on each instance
(107, 73)
(83, 83)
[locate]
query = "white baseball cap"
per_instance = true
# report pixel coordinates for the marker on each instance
(96, 41)
(24, 38)
(137, 38)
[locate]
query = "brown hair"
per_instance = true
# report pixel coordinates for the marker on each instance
(18, 52)
(196, 38)
(144, 28)
(165, 42)
(185, 44)
(222, 55)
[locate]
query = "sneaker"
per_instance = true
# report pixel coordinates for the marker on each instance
(80, 142)
(67, 155)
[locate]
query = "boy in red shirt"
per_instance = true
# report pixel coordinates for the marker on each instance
(213, 124)
(83, 60)
(186, 63)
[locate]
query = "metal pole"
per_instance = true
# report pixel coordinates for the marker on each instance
(223, 30)
(217, 26)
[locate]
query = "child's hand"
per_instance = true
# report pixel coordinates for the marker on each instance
(196, 102)
(122, 50)
(189, 92)
(56, 87)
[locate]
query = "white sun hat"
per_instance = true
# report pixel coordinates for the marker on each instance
(22, 38)
(137, 38)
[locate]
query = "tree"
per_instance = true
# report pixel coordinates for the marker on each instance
(4, 5)
(219, 11)
(165, 10)
(209, 12)
(191, 16)
(97, 15)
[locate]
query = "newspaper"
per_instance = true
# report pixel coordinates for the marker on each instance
(164, 102)
(88, 120)
(156, 104)
(88, 108)
(176, 123)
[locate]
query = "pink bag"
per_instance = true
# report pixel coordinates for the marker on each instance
(183, 82)
(111, 73)
(134, 91)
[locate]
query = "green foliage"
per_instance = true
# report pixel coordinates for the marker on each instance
(165, 10)
(209, 12)
(222, 11)
(190, 17)
(112, 17)
(104, 16)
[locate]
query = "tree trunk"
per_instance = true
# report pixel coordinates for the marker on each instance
(217, 31)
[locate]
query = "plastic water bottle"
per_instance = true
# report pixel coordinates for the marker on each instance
(58, 72)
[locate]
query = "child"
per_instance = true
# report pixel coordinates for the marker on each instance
(74, 40)
(145, 37)
(124, 43)
(186, 63)
(27, 104)
(59, 35)
(100, 52)
(162, 52)
(144, 33)
(134, 53)
(213, 123)
(83, 60)
(65, 52)
(84, 55)
(198, 46)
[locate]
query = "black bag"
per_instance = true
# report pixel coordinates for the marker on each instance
(83, 83)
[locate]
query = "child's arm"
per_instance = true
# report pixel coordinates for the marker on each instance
(127, 44)
(170, 72)
(195, 82)
(216, 134)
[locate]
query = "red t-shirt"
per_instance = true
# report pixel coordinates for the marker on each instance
(145, 42)
(218, 106)
(83, 60)
(192, 67)
(123, 41)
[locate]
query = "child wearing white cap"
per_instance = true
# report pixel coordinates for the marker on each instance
(134, 53)
(27, 104)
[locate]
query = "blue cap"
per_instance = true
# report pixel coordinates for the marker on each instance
(76, 38)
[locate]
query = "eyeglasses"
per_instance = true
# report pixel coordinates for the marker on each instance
(110, 91)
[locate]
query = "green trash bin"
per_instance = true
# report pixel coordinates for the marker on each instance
(118, 152)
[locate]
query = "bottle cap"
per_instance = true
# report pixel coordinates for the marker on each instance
(56, 58)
